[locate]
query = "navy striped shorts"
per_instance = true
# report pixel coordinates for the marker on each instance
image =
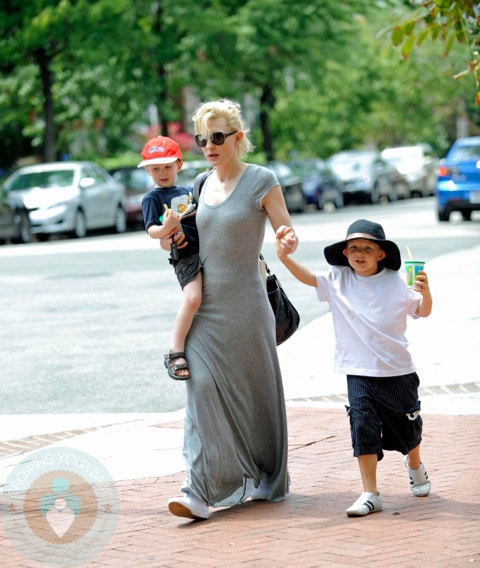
(384, 414)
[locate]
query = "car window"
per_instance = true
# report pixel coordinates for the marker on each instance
(45, 180)
(87, 172)
(99, 174)
(466, 152)
(282, 170)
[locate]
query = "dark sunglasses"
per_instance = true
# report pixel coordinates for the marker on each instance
(217, 138)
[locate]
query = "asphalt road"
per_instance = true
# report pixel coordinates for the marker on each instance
(84, 324)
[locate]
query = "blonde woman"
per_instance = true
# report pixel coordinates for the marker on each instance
(235, 443)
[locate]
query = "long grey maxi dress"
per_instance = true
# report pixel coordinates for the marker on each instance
(235, 422)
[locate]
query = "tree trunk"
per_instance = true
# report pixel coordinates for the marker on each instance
(46, 77)
(161, 74)
(267, 103)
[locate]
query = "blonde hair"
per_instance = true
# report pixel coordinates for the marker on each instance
(228, 110)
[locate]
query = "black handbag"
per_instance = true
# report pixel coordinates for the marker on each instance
(287, 319)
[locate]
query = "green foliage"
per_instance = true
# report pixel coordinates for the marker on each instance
(449, 21)
(313, 77)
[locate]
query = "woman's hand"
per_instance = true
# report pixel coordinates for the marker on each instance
(178, 237)
(286, 240)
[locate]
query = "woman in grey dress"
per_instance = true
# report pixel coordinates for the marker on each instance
(235, 443)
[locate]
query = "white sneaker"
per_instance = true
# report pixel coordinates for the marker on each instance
(419, 482)
(365, 504)
(188, 506)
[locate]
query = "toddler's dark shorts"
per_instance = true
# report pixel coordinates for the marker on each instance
(384, 414)
(187, 268)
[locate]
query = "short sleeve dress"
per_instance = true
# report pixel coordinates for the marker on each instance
(235, 422)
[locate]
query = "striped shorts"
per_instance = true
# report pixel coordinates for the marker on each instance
(384, 414)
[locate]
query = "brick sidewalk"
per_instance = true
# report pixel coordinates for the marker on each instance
(310, 528)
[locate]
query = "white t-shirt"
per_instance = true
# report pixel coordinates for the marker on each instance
(370, 320)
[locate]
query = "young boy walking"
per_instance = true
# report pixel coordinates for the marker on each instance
(370, 303)
(164, 208)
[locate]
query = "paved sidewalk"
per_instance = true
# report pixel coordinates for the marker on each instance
(310, 528)
(142, 453)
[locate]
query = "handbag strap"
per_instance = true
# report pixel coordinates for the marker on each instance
(197, 187)
(266, 265)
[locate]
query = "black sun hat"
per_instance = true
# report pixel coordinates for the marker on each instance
(363, 229)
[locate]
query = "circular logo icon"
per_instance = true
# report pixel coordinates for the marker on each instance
(62, 506)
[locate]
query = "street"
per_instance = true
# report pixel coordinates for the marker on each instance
(85, 323)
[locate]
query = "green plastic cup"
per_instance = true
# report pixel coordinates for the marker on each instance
(411, 270)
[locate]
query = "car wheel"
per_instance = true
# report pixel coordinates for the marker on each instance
(374, 196)
(24, 229)
(403, 190)
(80, 227)
(120, 220)
(320, 202)
(392, 194)
(443, 214)
(339, 201)
(466, 214)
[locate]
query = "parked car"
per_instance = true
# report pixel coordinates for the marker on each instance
(190, 170)
(14, 220)
(322, 188)
(458, 179)
(365, 175)
(137, 182)
(418, 164)
(291, 185)
(69, 198)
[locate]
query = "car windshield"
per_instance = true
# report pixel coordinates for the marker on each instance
(304, 168)
(352, 158)
(403, 155)
(471, 152)
(43, 180)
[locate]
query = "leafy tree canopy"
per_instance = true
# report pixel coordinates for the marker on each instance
(449, 21)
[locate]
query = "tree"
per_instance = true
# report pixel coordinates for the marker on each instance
(255, 49)
(42, 33)
(446, 20)
(366, 95)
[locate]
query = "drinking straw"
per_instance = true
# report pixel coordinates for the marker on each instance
(409, 252)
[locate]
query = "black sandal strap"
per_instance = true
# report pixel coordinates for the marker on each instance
(176, 355)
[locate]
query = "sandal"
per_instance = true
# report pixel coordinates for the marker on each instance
(172, 368)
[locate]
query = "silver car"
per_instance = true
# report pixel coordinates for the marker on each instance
(365, 176)
(418, 164)
(69, 198)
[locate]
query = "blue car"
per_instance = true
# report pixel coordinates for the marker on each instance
(322, 188)
(458, 179)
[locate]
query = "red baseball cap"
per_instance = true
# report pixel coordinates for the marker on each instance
(160, 150)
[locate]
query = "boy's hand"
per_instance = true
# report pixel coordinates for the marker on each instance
(171, 219)
(421, 283)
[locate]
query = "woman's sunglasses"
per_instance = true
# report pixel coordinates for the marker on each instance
(217, 138)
